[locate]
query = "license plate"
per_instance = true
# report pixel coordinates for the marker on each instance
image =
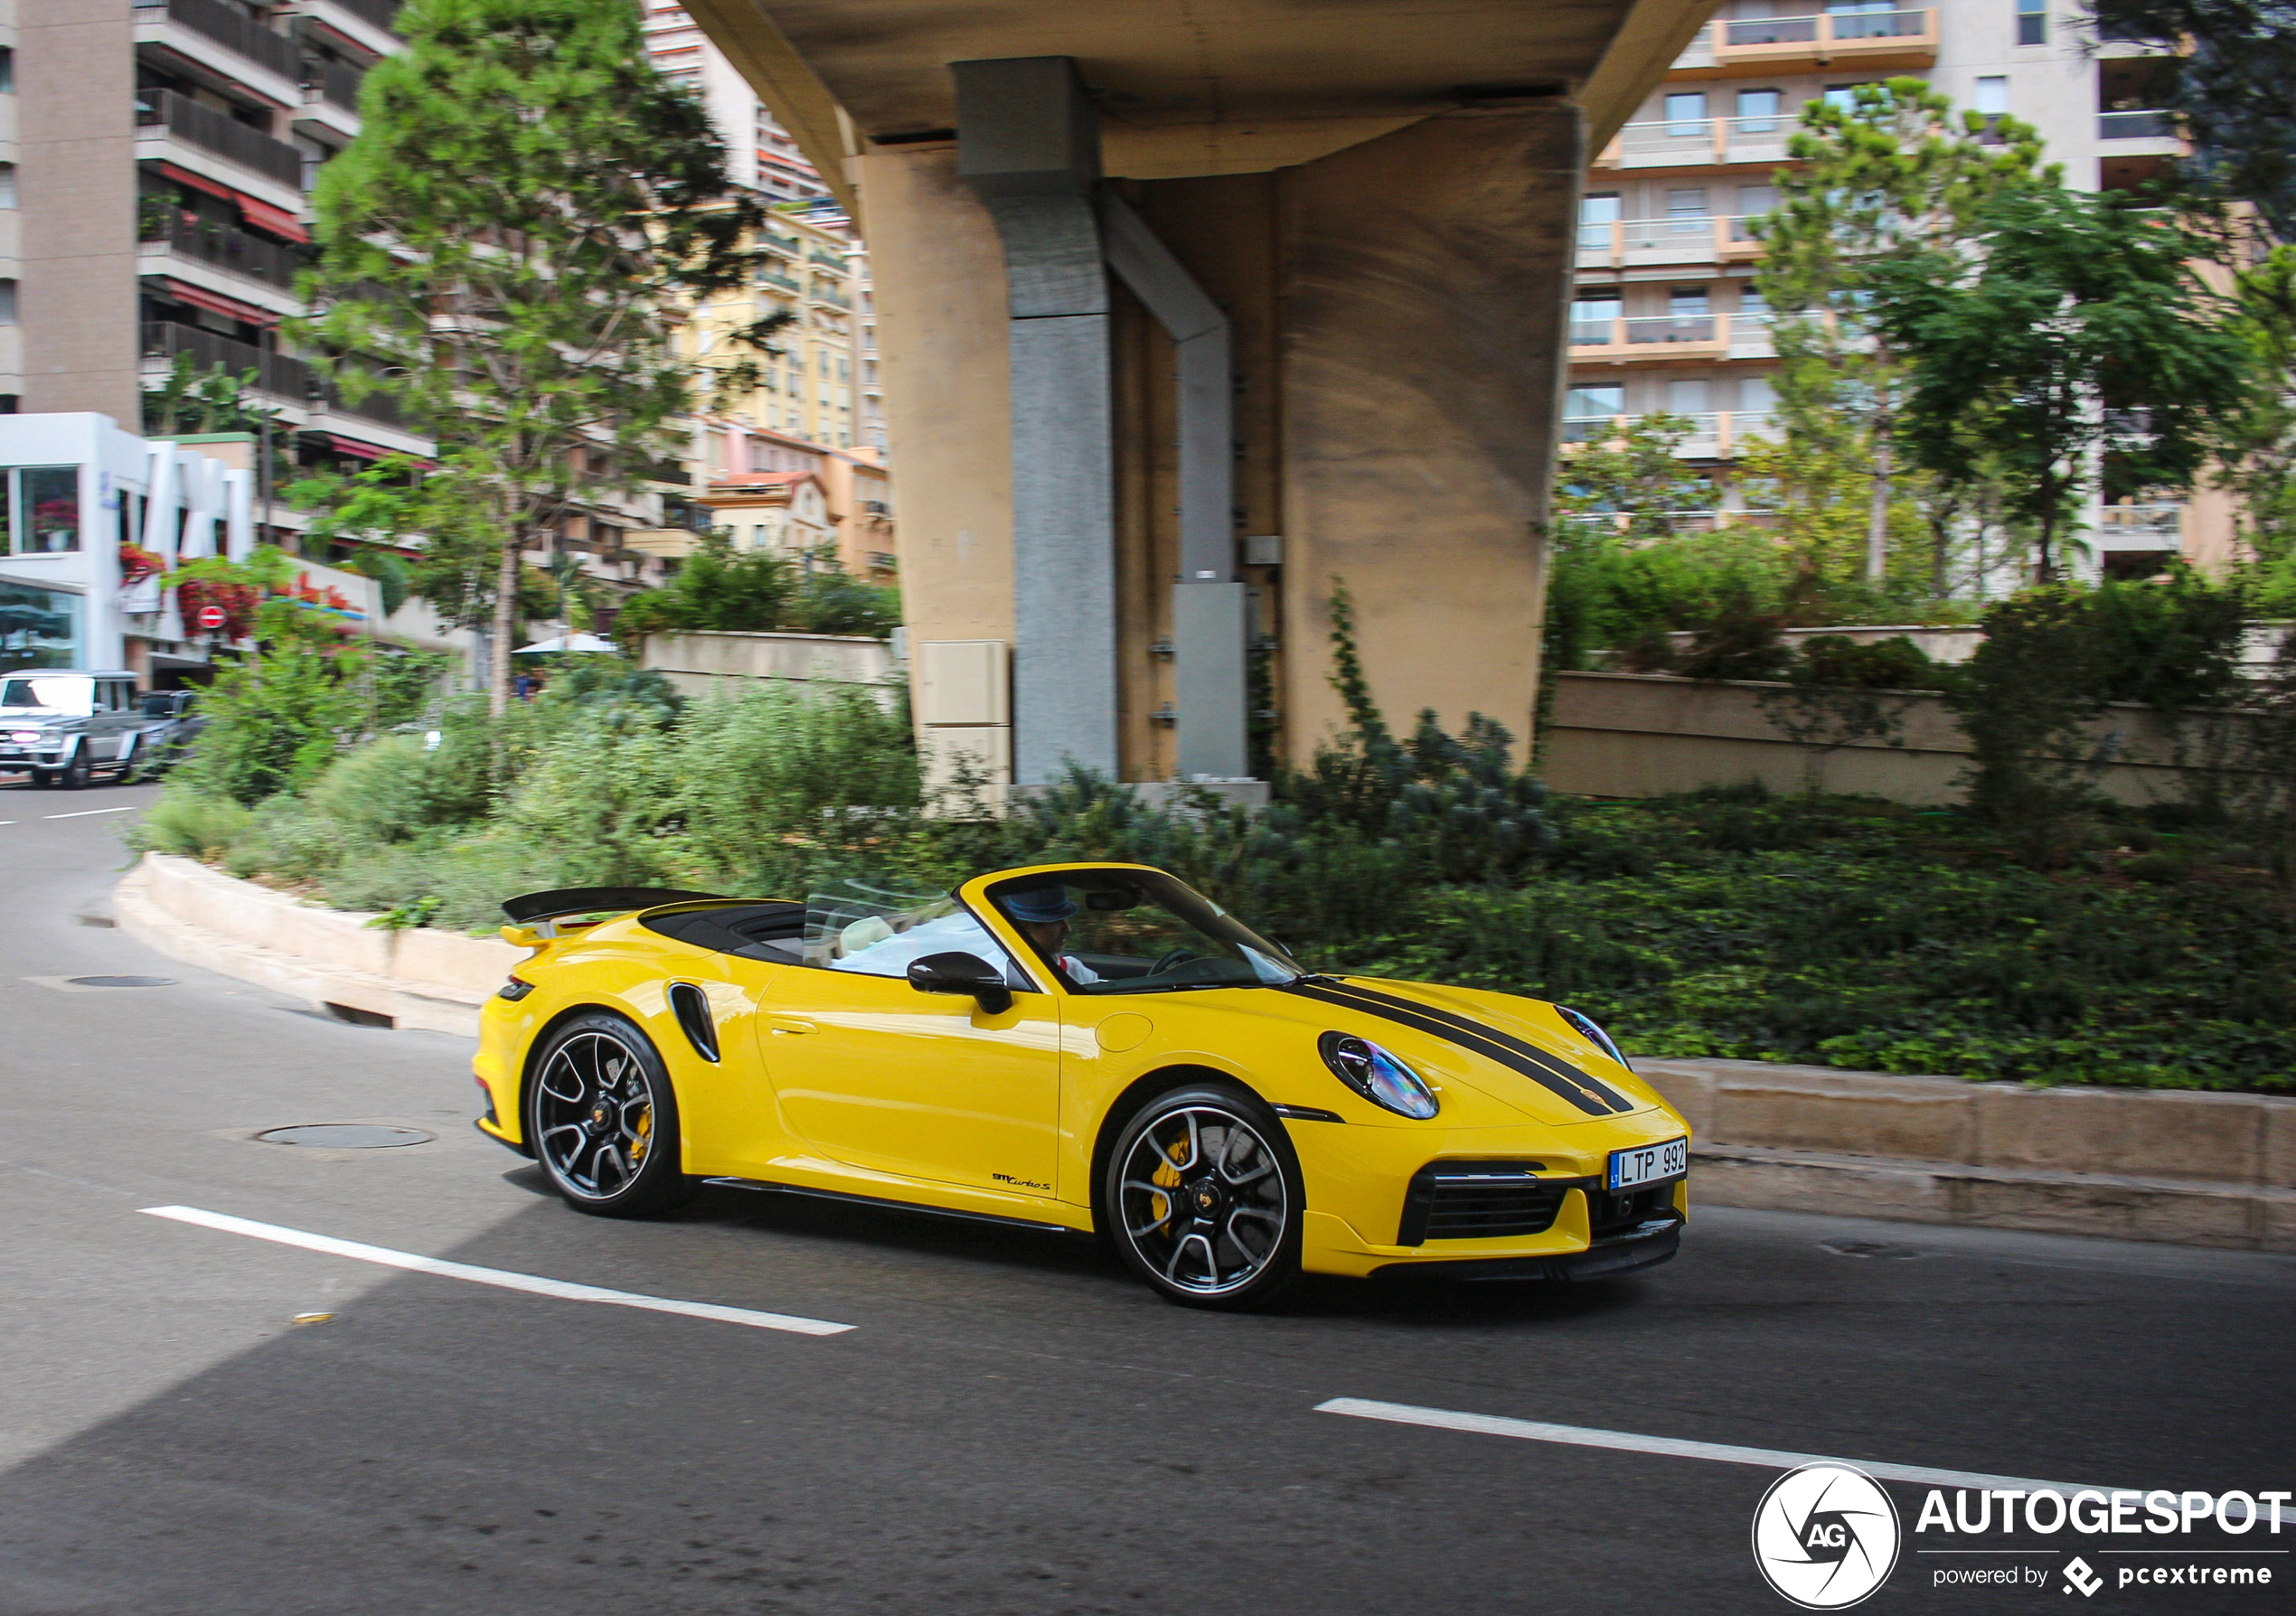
(1646, 1164)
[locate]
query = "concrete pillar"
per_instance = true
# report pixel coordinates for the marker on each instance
(1424, 277)
(76, 185)
(1028, 143)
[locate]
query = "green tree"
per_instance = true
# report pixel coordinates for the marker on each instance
(2260, 466)
(528, 200)
(2077, 328)
(1883, 175)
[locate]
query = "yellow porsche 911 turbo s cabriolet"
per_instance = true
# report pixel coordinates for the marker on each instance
(1086, 1047)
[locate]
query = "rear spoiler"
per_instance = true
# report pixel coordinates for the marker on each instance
(544, 906)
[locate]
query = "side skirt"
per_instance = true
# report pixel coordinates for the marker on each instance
(885, 1205)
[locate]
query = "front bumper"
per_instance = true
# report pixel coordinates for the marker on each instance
(1359, 1220)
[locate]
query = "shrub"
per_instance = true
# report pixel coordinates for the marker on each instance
(189, 821)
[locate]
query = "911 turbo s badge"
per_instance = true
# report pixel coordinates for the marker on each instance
(1558, 1076)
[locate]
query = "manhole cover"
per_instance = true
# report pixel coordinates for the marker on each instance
(121, 982)
(346, 1136)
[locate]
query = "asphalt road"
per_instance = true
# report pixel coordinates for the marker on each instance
(1011, 1425)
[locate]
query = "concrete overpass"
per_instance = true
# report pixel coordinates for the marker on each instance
(1190, 307)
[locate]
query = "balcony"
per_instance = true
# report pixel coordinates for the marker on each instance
(2136, 125)
(1631, 243)
(288, 379)
(1741, 47)
(186, 121)
(248, 39)
(1715, 434)
(334, 84)
(2141, 527)
(1669, 339)
(1699, 143)
(221, 247)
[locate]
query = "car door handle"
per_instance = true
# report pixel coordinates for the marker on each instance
(789, 1024)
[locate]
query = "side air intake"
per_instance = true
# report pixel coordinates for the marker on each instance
(690, 1005)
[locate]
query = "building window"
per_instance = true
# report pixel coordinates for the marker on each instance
(39, 628)
(1687, 303)
(1686, 398)
(8, 303)
(1597, 214)
(7, 184)
(1686, 210)
(7, 70)
(1686, 112)
(1758, 111)
(1993, 96)
(2032, 22)
(42, 509)
(1593, 317)
(1589, 411)
(1844, 96)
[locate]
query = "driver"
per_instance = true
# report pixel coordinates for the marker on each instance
(1042, 915)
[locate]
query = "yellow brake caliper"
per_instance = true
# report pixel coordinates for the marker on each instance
(1166, 1175)
(645, 1136)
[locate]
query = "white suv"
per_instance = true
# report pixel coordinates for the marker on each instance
(65, 724)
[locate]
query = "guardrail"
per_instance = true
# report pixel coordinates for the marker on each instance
(2136, 125)
(1677, 239)
(1850, 37)
(1715, 434)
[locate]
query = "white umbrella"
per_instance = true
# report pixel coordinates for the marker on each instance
(568, 643)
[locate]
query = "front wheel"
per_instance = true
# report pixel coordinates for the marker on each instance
(1205, 1198)
(79, 772)
(603, 1120)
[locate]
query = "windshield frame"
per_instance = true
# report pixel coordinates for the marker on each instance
(34, 677)
(1179, 899)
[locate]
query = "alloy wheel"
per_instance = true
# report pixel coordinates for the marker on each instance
(594, 1111)
(1202, 1200)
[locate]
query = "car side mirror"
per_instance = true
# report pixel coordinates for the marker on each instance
(966, 973)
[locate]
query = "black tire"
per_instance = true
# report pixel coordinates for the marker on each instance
(603, 1120)
(1240, 1176)
(44, 779)
(79, 772)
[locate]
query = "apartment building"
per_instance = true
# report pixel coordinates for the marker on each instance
(165, 152)
(1665, 316)
(813, 431)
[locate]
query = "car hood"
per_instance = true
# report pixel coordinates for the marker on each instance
(1516, 1052)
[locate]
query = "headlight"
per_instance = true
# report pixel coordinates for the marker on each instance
(1592, 1034)
(24, 738)
(1376, 1075)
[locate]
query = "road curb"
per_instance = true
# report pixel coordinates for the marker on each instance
(332, 959)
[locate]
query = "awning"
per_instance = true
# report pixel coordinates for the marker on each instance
(352, 446)
(216, 303)
(199, 181)
(263, 216)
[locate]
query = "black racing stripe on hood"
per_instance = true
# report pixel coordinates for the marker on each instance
(1558, 1078)
(1527, 1051)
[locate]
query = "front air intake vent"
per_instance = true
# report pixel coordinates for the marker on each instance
(690, 1005)
(1479, 1200)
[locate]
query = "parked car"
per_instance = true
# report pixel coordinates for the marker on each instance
(1080, 1047)
(171, 721)
(68, 725)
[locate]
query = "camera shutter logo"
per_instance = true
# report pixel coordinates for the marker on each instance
(1825, 1536)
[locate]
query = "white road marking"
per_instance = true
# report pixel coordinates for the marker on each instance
(502, 1277)
(1579, 1436)
(85, 813)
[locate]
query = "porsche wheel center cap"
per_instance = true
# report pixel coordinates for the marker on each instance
(1206, 1196)
(600, 1117)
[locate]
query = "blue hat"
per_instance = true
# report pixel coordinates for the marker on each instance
(1040, 906)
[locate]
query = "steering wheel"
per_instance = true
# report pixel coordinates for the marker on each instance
(1171, 957)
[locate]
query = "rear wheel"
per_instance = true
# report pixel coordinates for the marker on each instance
(603, 1120)
(1205, 1198)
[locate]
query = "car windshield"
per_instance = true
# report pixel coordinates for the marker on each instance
(1137, 931)
(65, 695)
